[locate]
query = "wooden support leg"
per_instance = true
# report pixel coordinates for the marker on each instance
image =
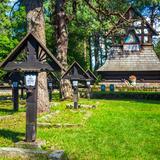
(88, 92)
(75, 97)
(22, 93)
(15, 99)
(31, 116)
(50, 95)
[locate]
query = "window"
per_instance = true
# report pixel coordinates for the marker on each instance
(131, 42)
(131, 38)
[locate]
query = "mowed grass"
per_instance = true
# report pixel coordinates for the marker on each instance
(114, 130)
(6, 107)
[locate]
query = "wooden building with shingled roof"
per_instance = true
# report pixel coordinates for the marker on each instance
(132, 52)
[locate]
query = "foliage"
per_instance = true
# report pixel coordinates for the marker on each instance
(12, 27)
(6, 41)
(157, 49)
(127, 95)
(18, 22)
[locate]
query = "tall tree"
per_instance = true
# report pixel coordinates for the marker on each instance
(36, 24)
(62, 44)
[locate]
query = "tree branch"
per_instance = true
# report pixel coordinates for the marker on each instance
(104, 12)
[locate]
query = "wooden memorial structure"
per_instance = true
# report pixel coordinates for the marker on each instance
(53, 83)
(92, 76)
(76, 69)
(78, 77)
(16, 80)
(30, 57)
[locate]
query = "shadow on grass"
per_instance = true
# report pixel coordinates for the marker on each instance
(8, 111)
(129, 99)
(147, 101)
(11, 135)
(6, 98)
(139, 100)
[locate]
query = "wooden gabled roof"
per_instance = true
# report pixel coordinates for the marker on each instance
(125, 16)
(53, 77)
(82, 75)
(17, 50)
(11, 76)
(91, 74)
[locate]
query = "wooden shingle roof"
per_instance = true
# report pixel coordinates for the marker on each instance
(145, 60)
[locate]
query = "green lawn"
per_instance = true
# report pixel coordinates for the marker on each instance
(114, 130)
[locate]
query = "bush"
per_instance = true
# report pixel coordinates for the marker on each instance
(126, 95)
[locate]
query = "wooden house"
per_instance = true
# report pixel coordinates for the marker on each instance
(132, 52)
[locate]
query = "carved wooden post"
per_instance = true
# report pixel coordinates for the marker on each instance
(15, 99)
(142, 32)
(50, 88)
(50, 94)
(149, 37)
(22, 92)
(15, 96)
(31, 115)
(75, 97)
(89, 92)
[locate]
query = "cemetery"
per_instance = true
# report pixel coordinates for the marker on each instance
(85, 93)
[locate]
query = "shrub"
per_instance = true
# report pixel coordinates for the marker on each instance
(126, 95)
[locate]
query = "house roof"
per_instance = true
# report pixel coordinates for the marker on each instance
(144, 60)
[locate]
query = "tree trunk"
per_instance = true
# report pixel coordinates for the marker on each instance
(101, 51)
(85, 51)
(96, 51)
(36, 24)
(152, 20)
(90, 52)
(62, 45)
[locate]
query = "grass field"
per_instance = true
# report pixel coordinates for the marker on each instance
(114, 130)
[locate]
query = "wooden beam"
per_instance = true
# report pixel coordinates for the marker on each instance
(142, 32)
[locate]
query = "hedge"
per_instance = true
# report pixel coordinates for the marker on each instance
(126, 95)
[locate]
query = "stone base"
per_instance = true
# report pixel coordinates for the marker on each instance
(70, 106)
(25, 154)
(58, 125)
(57, 155)
(30, 145)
